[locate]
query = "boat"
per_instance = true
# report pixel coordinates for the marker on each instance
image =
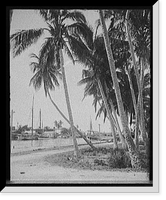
(34, 137)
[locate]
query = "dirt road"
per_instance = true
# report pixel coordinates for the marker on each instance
(33, 168)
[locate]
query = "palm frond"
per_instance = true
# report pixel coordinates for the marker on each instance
(21, 40)
(79, 50)
(51, 29)
(69, 53)
(47, 52)
(84, 81)
(90, 88)
(82, 30)
(96, 100)
(108, 14)
(97, 24)
(49, 14)
(75, 16)
(34, 66)
(36, 80)
(46, 72)
(101, 110)
(33, 55)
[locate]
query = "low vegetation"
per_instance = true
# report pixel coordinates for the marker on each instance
(105, 158)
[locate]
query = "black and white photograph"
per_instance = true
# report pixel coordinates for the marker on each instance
(81, 96)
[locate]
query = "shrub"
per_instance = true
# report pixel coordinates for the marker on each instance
(119, 159)
(99, 162)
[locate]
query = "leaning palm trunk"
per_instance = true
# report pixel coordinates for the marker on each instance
(118, 127)
(109, 113)
(76, 153)
(140, 99)
(134, 155)
(115, 119)
(86, 140)
(141, 96)
(135, 108)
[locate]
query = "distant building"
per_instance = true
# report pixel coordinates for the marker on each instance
(49, 134)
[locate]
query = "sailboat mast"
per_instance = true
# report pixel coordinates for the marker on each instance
(90, 125)
(40, 120)
(32, 114)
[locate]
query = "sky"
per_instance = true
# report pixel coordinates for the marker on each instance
(21, 93)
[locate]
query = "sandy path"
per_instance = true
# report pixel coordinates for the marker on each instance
(32, 168)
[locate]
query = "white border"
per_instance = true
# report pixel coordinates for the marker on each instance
(155, 187)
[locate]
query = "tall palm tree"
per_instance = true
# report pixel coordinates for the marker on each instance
(48, 75)
(60, 32)
(133, 25)
(134, 155)
(139, 29)
(93, 56)
(139, 102)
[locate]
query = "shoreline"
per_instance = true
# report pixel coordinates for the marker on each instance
(41, 149)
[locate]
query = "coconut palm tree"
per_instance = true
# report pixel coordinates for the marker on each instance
(139, 29)
(48, 75)
(134, 25)
(61, 27)
(139, 102)
(134, 155)
(93, 56)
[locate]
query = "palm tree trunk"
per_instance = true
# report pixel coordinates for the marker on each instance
(76, 153)
(135, 108)
(109, 113)
(134, 155)
(115, 120)
(141, 104)
(140, 100)
(86, 140)
(132, 50)
(118, 127)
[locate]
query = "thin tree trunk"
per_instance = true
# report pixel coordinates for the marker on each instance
(76, 153)
(109, 113)
(134, 155)
(86, 140)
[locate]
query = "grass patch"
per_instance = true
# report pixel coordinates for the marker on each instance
(105, 158)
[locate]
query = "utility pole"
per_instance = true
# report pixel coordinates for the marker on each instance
(11, 126)
(32, 114)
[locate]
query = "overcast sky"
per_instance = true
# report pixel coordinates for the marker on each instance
(22, 94)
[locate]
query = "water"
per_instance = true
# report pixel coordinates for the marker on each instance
(26, 145)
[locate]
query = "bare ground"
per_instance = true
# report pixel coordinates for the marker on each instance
(36, 168)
